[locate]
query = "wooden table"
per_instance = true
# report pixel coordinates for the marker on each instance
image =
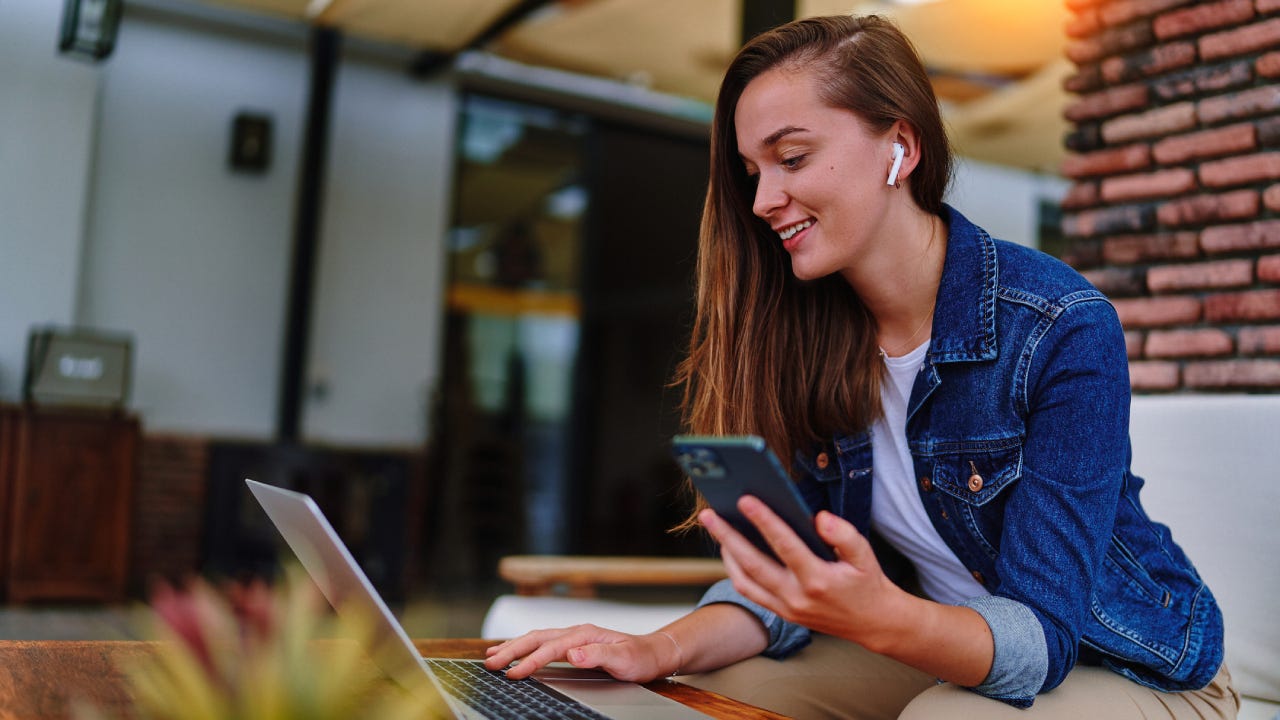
(40, 679)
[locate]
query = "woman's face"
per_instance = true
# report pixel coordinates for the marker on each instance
(820, 173)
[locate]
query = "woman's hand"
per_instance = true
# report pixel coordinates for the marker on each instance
(849, 598)
(636, 658)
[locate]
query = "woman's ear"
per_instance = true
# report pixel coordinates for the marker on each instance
(902, 133)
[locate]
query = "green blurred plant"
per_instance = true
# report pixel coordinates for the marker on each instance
(253, 652)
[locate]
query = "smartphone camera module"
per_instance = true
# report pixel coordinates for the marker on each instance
(701, 463)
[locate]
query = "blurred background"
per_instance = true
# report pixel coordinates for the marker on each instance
(430, 262)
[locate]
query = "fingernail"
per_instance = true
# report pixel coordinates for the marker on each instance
(576, 656)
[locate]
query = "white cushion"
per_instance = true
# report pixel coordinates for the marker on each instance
(512, 615)
(1212, 466)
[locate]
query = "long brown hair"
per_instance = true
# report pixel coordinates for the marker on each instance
(796, 362)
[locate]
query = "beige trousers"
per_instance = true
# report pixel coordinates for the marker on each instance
(832, 678)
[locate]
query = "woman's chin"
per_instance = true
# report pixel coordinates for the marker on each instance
(804, 272)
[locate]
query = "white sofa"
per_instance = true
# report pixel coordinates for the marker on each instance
(1212, 465)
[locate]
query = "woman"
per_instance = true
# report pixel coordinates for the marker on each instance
(962, 400)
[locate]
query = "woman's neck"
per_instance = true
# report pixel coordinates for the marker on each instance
(899, 282)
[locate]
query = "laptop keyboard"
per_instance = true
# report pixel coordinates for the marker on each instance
(492, 693)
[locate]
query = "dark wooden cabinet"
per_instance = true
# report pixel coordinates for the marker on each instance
(70, 478)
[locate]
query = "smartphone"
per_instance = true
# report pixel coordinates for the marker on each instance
(726, 468)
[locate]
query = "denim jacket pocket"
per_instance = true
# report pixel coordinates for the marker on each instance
(975, 473)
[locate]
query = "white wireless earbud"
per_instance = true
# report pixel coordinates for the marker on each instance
(898, 152)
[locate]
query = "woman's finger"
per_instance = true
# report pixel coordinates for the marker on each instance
(763, 569)
(744, 583)
(844, 538)
(786, 544)
(535, 650)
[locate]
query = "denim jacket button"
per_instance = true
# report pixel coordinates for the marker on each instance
(823, 461)
(975, 480)
(926, 484)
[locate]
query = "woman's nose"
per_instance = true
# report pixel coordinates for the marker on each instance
(769, 197)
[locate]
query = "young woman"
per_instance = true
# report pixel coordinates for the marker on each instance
(956, 406)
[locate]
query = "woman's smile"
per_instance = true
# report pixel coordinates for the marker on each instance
(792, 234)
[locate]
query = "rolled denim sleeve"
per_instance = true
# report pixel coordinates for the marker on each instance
(1021, 661)
(785, 638)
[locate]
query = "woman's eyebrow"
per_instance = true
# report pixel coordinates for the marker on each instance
(780, 133)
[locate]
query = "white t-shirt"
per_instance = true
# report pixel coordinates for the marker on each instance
(896, 510)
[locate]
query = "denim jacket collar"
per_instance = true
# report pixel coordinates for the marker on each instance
(964, 320)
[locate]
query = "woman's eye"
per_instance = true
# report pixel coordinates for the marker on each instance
(793, 162)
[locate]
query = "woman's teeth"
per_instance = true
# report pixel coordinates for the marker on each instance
(788, 232)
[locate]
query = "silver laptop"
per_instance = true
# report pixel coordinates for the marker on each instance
(466, 686)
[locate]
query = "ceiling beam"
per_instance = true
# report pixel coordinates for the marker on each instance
(431, 61)
(761, 15)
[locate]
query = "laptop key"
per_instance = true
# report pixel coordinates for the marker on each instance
(494, 694)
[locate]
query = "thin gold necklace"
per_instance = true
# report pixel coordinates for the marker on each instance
(928, 316)
(907, 344)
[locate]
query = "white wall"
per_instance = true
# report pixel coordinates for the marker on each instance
(189, 257)
(376, 329)
(1004, 201)
(46, 120)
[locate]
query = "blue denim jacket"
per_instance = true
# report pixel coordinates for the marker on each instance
(1026, 382)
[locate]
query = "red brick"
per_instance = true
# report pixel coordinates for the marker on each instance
(1163, 183)
(1108, 162)
(1133, 340)
(1219, 274)
(1087, 79)
(1268, 65)
(1203, 79)
(1233, 374)
(1084, 51)
(1236, 106)
(1271, 198)
(1240, 41)
(1154, 375)
(1084, 24)
(1127, 249)
(1157, 312)
(1087, 137)
(1109, 221)
(1083, 253)
(1122, 11)
(1201, 17)
(1268, 131)
(1201, 209)
(1269, 269)
(1155, 61)
(1244, 236)
(1242, 306)
(1206, 342)
(1241, 170)
(1106, 103)
(1259, 340)
(1081, 195)
(1159, 122)
(1232, 139)
(1117, 282)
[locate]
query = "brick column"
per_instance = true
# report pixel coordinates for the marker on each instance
(169, 506)
(1175, 207)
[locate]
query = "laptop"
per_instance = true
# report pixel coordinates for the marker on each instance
(467, 688)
